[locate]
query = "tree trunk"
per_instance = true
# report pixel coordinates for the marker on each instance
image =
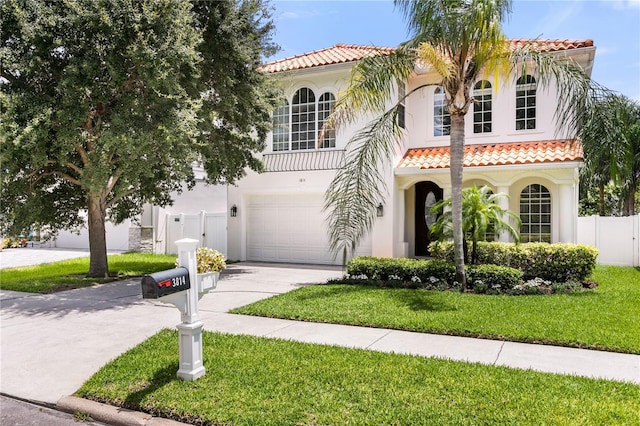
(601, 194)
(456, 165)
(98, 267)
(630, 202)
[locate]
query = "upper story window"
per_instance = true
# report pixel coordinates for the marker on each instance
(297, 126)
(303, 120)
(482, 107)
(281, 128)
(526, 103)
(325, 105)
(441, 116)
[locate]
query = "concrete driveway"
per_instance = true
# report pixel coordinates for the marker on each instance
(52, 343)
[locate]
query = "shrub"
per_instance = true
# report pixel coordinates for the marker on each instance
(552, 262)
(493, 279)
(428, 274)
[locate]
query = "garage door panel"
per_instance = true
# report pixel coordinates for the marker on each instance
(289, 228)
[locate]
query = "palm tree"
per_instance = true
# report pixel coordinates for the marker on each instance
(611, 140)
(480, 213)
(460, 40)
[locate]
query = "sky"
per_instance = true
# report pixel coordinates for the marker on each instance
(614, 26)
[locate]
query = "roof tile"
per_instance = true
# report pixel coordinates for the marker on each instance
(343, 53)
(496, 154)
(338, 54)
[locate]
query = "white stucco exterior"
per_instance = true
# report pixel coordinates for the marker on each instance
(279, 212)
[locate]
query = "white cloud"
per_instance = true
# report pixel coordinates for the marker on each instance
(560, 17)
(624, 4)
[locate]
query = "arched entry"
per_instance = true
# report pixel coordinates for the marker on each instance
(427, 194)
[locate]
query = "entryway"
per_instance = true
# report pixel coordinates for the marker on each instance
(427, 194)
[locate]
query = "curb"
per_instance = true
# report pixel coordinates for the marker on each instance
(112, 415)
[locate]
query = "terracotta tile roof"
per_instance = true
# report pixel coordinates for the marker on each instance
(496, 154)
(338, 54)
(549, 45)
(343, 53)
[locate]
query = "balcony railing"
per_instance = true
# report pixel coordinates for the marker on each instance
(298, 161)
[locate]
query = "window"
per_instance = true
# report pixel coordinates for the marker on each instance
(482, 107)
(303, 120)
(526, 103)
(441, 117)
(281, 128)
(325, 104)
(297, 126)
(535, 214)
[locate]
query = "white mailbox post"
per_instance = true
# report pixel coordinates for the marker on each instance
(171, 287)
(190, 330)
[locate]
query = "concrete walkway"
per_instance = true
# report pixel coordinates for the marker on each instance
(27, 256)
(52, 343)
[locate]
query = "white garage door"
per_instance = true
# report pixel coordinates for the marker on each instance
(290, 228)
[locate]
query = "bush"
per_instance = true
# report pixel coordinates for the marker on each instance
(428, 274)
(493, 279)
(552, 262)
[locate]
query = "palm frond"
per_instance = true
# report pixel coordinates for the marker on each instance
(359, 186)
(372, 83)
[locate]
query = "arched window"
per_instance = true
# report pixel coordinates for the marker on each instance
(482, 107)
(303, 119)
(526, 103)
(325, 104)
(535, 214)
(441, 116)
(281, 127)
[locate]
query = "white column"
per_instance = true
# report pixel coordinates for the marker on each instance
(503, 202)
(568, 215)
(190, 331)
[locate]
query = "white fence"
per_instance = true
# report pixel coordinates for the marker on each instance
(117, 237)
(210, 229)
(617, 238)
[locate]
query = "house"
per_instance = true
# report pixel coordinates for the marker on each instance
(512, 145)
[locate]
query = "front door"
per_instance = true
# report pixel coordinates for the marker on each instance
(427, 194)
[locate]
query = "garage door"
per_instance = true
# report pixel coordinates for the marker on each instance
(290, 228)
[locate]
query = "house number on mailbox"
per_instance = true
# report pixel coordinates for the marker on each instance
(173, 282)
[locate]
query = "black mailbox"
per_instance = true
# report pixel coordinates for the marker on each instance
(164, 283)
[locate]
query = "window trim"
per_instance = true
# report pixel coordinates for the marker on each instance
(483, 89)
(526, 89)
(441, 113)
(536, 199)
(303, 128)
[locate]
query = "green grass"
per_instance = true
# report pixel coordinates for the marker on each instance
(68, 274)
(259, 381)
(607, 318)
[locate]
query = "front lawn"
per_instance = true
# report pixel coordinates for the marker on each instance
(607, 318)
(259, 381)
(68, 274)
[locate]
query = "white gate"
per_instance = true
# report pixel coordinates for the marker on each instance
(617, 238)
(210, 229)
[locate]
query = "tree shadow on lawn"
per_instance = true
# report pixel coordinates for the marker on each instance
(161, 377)
(416, 300)
(421, 300)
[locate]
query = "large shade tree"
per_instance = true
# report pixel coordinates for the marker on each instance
(460, 41)
(107, 104)
(611, 140)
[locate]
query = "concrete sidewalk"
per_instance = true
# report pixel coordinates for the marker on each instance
(52, 343)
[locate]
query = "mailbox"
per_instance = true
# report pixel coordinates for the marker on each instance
(164, 283)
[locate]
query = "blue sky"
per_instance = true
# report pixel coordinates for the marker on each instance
(613, 25)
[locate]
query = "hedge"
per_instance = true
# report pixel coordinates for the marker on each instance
(554, 262)
(429, 274)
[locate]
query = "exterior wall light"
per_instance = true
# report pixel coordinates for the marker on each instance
(234, 211)
(380, 210)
